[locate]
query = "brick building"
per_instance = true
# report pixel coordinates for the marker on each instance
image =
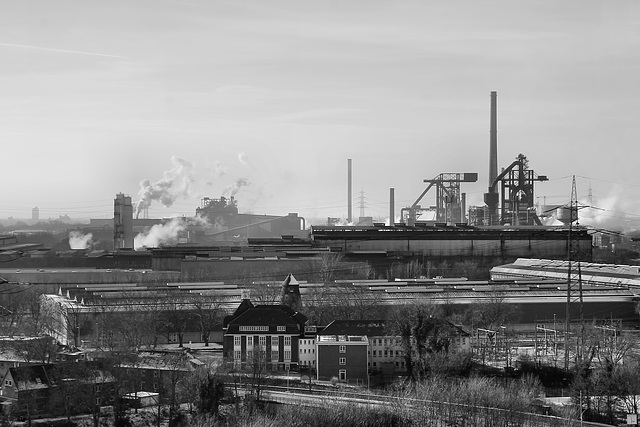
(269, 334)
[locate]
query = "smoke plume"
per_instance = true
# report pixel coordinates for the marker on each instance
(232, 189)
(77, 240)
(243, 158)
(166, 234)
(613, 212)
(214, 170)
(175, 183)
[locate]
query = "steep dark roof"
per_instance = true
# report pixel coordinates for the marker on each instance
(245, 305)
(370, 328)
(267, 315)
(32, 376)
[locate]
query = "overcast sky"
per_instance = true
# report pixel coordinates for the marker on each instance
(275, 96)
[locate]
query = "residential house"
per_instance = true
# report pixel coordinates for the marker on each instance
(158, 372)
(342, 356)
(45, 390)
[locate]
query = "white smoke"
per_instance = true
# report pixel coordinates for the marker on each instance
(243, 158)
(175, 183)
(616, 212)
(78, 240)
(168, 233)
(214, 170)
(232, 189)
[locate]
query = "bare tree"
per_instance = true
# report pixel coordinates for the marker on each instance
(328, 266)
(265, 293)
(256, 366)
(494, 311)
(208, 314)
(420, 330)
(177, 314)
(627, 377)
(345, 301)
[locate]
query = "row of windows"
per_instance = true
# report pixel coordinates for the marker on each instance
(262, 341)
(398, 342)
(237, 355)
(375, 342)
(255, 328)
(386, 341)
(387, 353)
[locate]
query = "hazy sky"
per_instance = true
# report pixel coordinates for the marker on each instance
(99, 96)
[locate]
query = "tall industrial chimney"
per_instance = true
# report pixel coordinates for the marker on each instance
(491, 196)
(493, 139)
(463, 206)
(349, 195)
(392, 203)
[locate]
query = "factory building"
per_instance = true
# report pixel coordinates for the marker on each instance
(452, 242)
(591, 273)
(225, 224)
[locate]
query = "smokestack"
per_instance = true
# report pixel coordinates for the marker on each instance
(349, 198)
(493, 139)
(491, 196)
(392, 203)
(463, 203)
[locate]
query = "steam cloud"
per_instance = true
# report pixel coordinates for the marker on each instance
(77, 240)
(175, 183)
(243, 158)
(214, 170)
(612, 212)
(168, 233)
(232, 189)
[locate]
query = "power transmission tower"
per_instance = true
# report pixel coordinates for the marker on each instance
(574, 279)
(362, 198)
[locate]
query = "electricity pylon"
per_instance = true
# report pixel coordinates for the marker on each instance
(574, 279)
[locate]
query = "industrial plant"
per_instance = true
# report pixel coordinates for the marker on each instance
(180, 279)
(508, 226)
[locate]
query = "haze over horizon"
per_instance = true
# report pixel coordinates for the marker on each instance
(268, 101)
